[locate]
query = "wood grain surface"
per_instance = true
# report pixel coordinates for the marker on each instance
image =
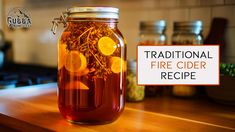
(35, 109)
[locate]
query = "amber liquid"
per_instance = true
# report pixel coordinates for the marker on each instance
(103, 102)
(89, 97)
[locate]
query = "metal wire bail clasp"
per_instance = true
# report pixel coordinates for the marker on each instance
(57, 21)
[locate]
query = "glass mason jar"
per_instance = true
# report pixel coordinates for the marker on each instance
(91, 65)
(152, 33)
(133, 91)
(186, 33)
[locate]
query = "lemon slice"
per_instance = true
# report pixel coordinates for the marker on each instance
(117, 65)
(75, 61)
(61, 55)
(106, 46)
(83, 62)
(76, 85)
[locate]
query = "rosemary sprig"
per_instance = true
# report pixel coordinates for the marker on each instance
(83, 34)
(98, 60)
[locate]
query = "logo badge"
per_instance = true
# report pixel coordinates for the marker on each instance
(18, 18)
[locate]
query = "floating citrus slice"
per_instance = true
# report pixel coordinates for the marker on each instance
(117, 64)
(83, 62)
(61, 55)
(76, 85)
(75, 61)
(106, 46)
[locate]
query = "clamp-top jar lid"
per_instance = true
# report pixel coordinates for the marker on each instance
(93, 12)
(85, 12)
(153, 26)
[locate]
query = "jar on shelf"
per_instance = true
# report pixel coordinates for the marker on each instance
(91, 65)
(186, 33)
(152, 33)
(133, 91)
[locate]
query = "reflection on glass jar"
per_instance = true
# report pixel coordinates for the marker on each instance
(91, 66)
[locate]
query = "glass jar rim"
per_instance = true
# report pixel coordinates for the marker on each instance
(93, 12)
(189, 26)
(197, 23)
(152, 26)
(159, 23)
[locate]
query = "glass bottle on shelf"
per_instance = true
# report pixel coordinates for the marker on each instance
(152, 33)
(185, 33)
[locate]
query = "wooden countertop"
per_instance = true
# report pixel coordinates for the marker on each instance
(35, 109)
